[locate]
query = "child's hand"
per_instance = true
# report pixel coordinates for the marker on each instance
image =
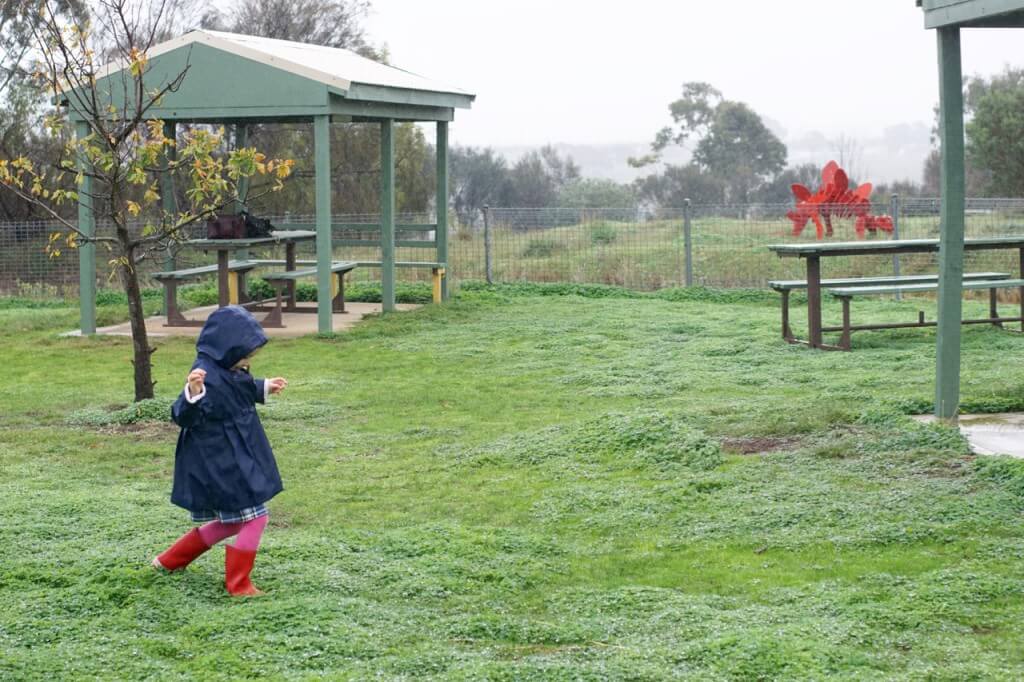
(195, 381)
(277, 384)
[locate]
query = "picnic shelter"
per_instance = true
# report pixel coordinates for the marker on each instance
(239, 80)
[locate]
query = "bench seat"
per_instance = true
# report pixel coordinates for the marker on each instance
(197, 272)
(286, 275)
(995, 283)
(170, 279)
(846, 294)
(798, 284)
(784, 287)
(282, 279)
(437, 272)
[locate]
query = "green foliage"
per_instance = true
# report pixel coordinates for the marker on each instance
(638, 439)
(602, 234)
(596, 193)
(473, 289)
(152, 409)
(1006, 472)
(542, 248)
(360, 292)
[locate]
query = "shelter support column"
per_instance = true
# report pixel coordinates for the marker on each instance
(86, 250)
(387, 214)
(951, 248)
(241, 141)
(322, 152)
(169, 201)
(441, 201)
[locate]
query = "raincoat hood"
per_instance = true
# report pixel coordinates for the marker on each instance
(230, 334)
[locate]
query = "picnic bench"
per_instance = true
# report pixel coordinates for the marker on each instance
(437, 270)
(846, 294)
(170, 279)
(281, 281)
(893, 284)
(813, 253)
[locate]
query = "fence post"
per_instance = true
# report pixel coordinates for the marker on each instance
(687, 243)
(488, 269)
(894, 211)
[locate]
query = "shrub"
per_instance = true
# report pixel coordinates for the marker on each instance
(602, 234)
(542, 248)
(151, 410)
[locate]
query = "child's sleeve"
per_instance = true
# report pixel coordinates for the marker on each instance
(189, 410)
(262, 390)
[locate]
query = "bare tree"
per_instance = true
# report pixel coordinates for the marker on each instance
(850, 156)
(334, 23)
(119, 163)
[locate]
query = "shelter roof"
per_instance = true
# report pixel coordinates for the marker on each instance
(973, 13)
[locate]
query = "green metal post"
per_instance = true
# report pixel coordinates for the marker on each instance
(322, 145)
(442, 204)
(951, 248)
(387, 214)
(170, 202)
(242, 140)
(687, 244)
(894, 211)
(86, 250)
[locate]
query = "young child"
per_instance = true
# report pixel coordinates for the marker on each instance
(224, 469)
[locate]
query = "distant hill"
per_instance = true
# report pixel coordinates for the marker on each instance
(897, 154)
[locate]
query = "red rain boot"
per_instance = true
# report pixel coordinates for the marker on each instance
(181, 553)
(237, 567)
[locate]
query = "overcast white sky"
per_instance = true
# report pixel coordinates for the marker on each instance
(581, 71)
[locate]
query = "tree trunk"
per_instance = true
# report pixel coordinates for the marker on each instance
(137, 316)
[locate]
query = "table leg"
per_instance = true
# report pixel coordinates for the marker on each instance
(223, 295)
(814, 301)
(289, 264)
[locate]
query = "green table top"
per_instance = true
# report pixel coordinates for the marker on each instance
(891, 246)
(277, 237)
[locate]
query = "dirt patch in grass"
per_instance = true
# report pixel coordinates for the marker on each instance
(759, 445)
(146, 430)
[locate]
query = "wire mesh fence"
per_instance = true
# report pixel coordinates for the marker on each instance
(719, 246)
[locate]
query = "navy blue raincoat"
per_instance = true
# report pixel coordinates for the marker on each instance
(223, 460)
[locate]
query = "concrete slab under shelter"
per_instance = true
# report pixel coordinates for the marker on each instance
(295, 324)
(991, 434)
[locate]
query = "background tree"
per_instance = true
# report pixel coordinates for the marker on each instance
(596, 193)
(728, 142)
(675, 184)
(22, 105)
(779, 190)
(476, 178)
(848, 152)
(122, 159)
(536, 180)
(995, 131)
(334, 23)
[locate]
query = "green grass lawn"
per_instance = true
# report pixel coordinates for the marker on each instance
(523, 486)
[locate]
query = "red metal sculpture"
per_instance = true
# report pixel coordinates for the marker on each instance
(835, 200)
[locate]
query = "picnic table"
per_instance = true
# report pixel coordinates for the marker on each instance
(812, 253)
(224, 247)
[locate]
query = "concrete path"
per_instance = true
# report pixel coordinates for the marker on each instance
(992, 434)
(295, 324)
